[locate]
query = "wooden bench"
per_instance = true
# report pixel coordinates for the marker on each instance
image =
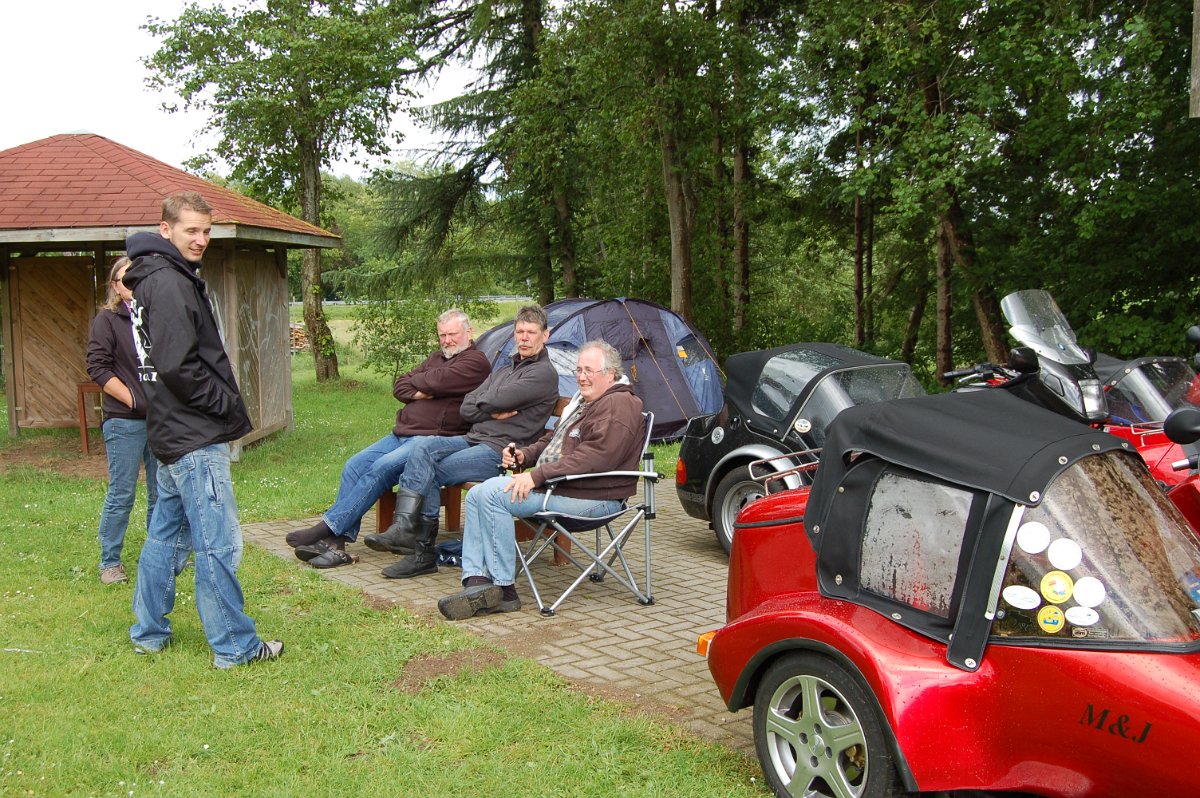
(451, 500)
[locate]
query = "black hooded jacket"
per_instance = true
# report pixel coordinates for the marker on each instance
(192, 397)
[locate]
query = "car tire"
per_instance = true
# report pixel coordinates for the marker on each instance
(735, 490)
(817, 732)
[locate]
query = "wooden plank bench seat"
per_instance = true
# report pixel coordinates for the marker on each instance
(452, 499)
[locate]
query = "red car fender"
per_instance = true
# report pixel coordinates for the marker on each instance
(1054, 721)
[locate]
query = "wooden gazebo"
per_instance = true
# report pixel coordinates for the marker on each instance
(67, 203)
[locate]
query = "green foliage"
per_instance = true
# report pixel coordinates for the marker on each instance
(397, 334)
(292, 82)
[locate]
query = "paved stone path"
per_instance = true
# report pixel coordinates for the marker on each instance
(601, 638)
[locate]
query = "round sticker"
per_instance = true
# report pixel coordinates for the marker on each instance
(1089, 592)
(803, 426)
(1033, 537)
(1057, 587)
(1065, 554)
(718, 435)
(1021, 597)
(1082, 616)
(1050, 618)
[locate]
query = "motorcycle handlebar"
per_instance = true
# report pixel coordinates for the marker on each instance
(1185, 465)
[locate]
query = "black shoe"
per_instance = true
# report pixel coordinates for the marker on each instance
(471, 601)
(314, 550)
(394, 540)
(412, 565)
(332, 558)
(509, 601)
(400, 537)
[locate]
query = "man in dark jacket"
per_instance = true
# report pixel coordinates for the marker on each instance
(193, 410)
(432, 393)
(601, 430)
(512, 404)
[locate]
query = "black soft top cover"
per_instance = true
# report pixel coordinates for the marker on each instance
(987, 440)
(742, 370)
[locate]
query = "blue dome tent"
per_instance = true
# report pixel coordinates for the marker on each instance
(669, 364)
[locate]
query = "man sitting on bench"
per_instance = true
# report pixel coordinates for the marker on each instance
(432, 393)
(603, 431)
(512, 404)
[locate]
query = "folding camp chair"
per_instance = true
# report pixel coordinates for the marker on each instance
(560, 532)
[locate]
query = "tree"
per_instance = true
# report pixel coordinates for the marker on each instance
(291, 87)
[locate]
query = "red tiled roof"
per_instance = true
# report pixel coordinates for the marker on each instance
(85, 180)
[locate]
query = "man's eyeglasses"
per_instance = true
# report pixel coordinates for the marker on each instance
(589, 373)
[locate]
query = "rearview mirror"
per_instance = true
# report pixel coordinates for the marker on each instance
(1183, 425)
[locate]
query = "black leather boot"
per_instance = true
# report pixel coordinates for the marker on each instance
(423, 560)
(400, 537)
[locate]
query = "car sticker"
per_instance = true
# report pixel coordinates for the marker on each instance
(1033, 537)
(803, 426)
(718, 435)
(1050, 618)
(1057, 587)
(1065, 554)
(1021, 597)
(1096, 634)
(1082, 616)
(1089, 592)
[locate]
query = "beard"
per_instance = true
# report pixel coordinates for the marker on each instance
(450, 351)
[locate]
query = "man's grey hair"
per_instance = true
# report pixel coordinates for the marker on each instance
(612, 358)
(454, 314)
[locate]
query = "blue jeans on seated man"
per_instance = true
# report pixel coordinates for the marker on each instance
(489, 534)
(365, 477)
(127, 450)
(197, 488)
(434, 462)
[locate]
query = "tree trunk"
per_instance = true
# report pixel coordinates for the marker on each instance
(944, 347)
(681, 209)
(741, 235)
(566, 243)
(869, 274)
(324, 349)
(912, 330)
(860, 233)
(987, 313)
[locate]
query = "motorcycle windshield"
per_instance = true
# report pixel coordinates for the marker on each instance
(1151, 390)
(1104, 559)
(1035, 320)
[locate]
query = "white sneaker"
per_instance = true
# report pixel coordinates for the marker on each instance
(113, 575)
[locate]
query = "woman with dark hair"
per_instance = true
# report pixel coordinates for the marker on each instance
(112, 364)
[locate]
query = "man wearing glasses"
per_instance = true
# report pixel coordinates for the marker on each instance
(601, 430)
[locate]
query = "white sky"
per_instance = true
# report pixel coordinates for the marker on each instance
(70, 66)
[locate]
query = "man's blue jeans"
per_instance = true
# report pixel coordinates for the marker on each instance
(434, 462)
(489, 535)
(196, 488)
(364, 477)
(127, 449)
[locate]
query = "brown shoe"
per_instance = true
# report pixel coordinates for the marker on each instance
(113, 575)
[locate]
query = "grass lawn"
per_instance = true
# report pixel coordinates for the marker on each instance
(343, 713)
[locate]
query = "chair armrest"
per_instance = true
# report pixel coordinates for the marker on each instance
(555, 481)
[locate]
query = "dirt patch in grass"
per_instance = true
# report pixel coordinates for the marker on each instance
(421, 670)
(52, 454)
